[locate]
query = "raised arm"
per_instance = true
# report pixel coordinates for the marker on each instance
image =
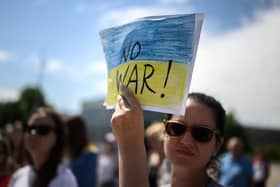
(128, 126)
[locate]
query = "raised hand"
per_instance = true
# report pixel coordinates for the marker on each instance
(128, 126)
(127, 120)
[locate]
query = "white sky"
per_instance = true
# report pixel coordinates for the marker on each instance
(241, 68)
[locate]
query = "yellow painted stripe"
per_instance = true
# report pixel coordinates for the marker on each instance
(147, 80)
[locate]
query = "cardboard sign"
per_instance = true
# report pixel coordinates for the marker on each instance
(154, 57)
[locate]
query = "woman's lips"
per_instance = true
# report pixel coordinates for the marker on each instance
(185, 151)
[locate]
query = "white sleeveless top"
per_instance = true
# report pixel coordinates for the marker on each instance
(24, 177)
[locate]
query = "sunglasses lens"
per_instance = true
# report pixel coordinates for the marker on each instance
(202, 134)
(43, 130)
(174, 129)
(39, 129)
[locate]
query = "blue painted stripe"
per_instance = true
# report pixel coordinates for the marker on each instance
(161, 39)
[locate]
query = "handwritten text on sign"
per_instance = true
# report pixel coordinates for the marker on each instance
(149, 80)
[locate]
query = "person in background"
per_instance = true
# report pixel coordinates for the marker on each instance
(107, 164)
(191, 140)
(236, 167)
(164, 173)
(6, 164)
(261, 169)
(155, 154)
(15, 132)
(82, 154)
(45, 141)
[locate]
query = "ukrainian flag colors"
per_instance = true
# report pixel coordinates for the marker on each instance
(154, 57)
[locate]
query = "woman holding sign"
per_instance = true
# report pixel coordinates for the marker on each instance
(191, 141)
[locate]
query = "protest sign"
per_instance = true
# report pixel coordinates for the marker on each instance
(154, 57)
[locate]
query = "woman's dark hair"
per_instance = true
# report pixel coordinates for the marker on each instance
(214, 105)
(18, 151)
(213, 166)
(49, 168)
(4, 146)
(8, 165)
(5, 150)
(77, 138)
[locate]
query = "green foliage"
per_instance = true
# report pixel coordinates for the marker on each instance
(9, 112)
(270, 152)
(30, 98)
(234, 128)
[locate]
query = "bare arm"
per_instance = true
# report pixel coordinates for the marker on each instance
(128, 126)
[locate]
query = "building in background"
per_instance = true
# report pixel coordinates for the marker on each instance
(98, 118)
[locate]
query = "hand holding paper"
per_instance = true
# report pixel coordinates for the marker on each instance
(127, 120)
(128, 127)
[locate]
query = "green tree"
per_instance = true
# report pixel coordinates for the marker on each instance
(9, 112)
(30, 99)
(234, 128)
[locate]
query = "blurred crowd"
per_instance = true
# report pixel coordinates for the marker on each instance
(54, 150)
(233, 168)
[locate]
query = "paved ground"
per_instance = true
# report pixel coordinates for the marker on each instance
(274, 178)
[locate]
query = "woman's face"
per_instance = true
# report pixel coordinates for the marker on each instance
(40, 137)
(184, 150)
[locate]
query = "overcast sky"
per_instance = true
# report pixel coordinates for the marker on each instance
(237, 60)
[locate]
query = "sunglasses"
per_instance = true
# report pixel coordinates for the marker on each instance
(42, 129)
(199, 133)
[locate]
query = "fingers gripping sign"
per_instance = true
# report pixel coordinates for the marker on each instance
(128, 126)
(127, 120)
(122, 104)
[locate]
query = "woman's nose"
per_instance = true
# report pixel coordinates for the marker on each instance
(187, 138)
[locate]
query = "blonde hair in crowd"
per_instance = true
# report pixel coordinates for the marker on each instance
(155, 129)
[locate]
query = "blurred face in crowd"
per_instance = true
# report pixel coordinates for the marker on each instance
(155, 143)
(17, 134)
(235, 146)
(40, 137)
(154, 135)
(193, 149)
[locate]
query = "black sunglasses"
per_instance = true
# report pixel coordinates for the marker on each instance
(199, 133)
(42, 129)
